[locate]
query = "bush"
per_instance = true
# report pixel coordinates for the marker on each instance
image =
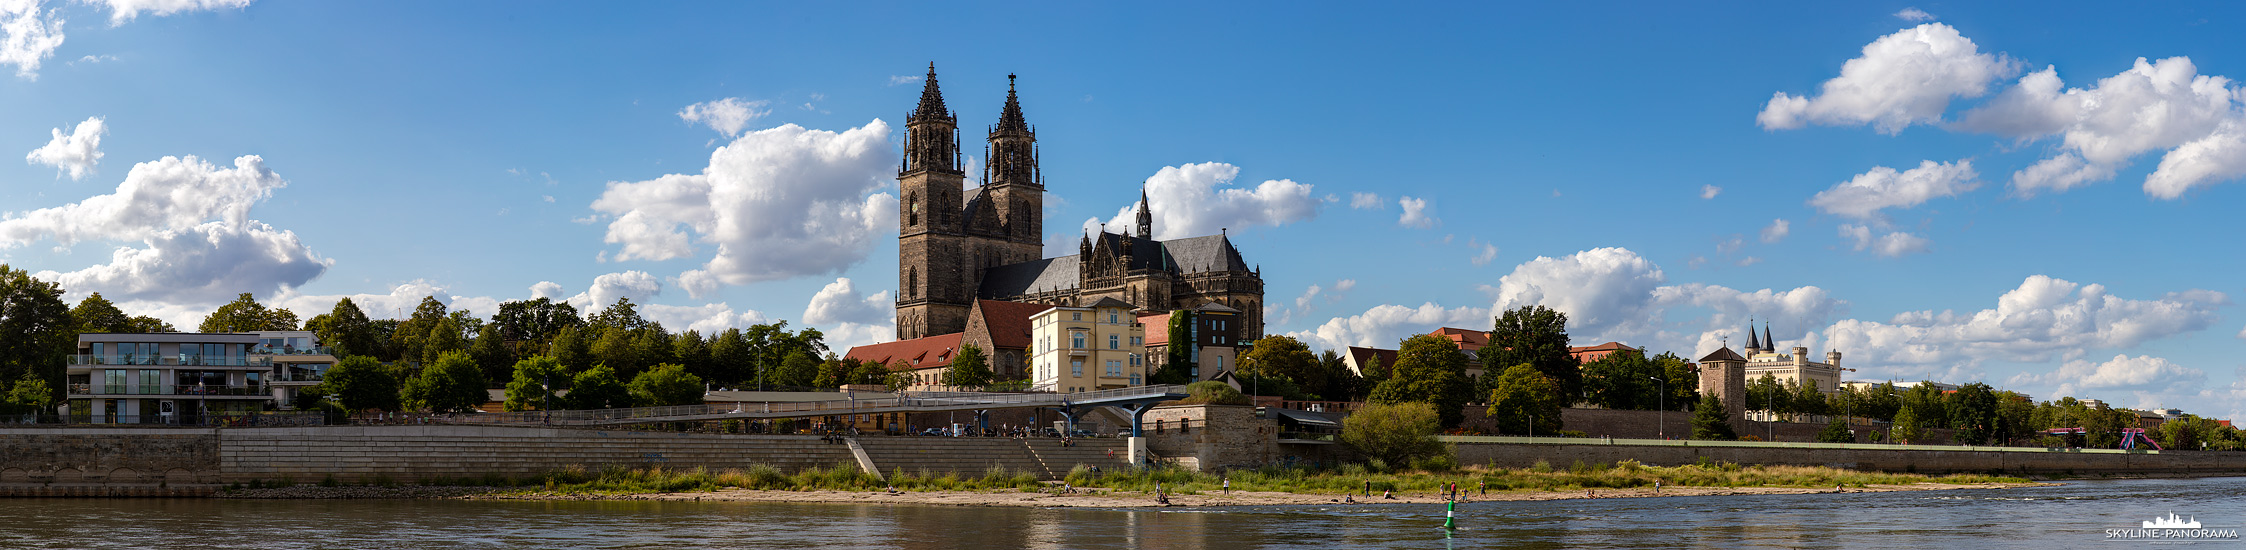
(1836, 432)
(1394, 433)
(1212, 392)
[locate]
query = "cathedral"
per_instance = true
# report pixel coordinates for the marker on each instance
(956, 245)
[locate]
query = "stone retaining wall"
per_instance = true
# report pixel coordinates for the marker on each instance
(1899, 460)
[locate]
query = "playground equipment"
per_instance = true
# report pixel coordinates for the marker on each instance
(2129, 436)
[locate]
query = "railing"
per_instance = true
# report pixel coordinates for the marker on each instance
(290, 350)
(180, 420)
(170, 389)
(910, 400)
(173, 360)
(291, 374)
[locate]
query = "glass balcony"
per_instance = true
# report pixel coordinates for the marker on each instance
(291, 350)
(170, 389)
(172, 360)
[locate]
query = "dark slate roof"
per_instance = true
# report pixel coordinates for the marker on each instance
(1216, 307)
(1107, 301)
(1058, 273)
(1204, 254)
(1723, 354)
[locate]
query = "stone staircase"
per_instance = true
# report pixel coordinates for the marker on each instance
(971, 456)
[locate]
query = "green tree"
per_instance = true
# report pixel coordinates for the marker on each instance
(1807, 399)
(1342, 384)
(2013, 412)
(1880, 402)
(30, 395)
(360, 383)
(534, 383)
(244, 314)
(1376, 373)
(1906, 428)
(968, 369)
(1285, 357)
(493, 355)
(1710, 421)
(1973, 412)
(620, 315)
(97, 314)
(410, 335)
(867, 372)
(452, 383)
(533, 323)
(1395, 433)
(693, 352)
(614, 348)
(730, 361)
(1211, 392)
(666, 385)
(143, 324)
(1682, 382)
(797, 370)
(1538, 336)
(1836, 432)
(1180, 346)
(443, 338)
(1429, 369)
(346, 330)
(571, 350)
(37, 333)
(1522, 395)
(652, 346)
(597, 388)
(1623, 380)
(831, 375)
(1769, 395)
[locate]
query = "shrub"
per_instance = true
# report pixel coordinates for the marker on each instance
(1394, 433)
(1211, 392)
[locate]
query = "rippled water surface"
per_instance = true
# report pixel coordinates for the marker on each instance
(2072, 516)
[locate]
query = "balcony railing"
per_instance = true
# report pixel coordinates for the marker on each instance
(172, 360)
(286, 374)
(291, 350)
(169, 389)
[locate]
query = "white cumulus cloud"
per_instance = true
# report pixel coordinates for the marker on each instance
(1914, 15)
(207, 263)
(1384, 325)
(172, 193)
(839, 302)
(125, 10)
(1599, 289)
(1710, 191)
(1890, 245)
(1483, 252)
(2140, 373)
(1365, 201)
(774, 204)
(728, 116)
(2044, 318)
(1415, 214)
(1777, 230)
(28, 36)
(708, 318)
(1901, 79)
(1195, 199)
(74, 153)
(609, 287)
(1864, 196)
(2164, 105)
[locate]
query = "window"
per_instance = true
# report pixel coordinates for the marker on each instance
(1076, 316)
(1114, 341)
(151, 382)
(1114, 367)
(1134, 359)
(1076, 368)
(1111, 317)
(115, 379)
(1078, 338)
(1135, 380)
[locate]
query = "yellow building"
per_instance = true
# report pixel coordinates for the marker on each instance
(1095, 347)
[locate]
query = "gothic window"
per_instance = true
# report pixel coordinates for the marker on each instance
(912, 210)
(912, 282)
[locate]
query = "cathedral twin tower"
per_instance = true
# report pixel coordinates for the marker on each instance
(957, 245)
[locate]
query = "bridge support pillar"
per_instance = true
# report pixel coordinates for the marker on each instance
(1137, 450)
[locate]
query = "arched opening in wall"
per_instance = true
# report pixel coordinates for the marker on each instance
(179, 476)
(912, 210)
(123, 475)
(14, 475)
(912, 282)
(69, 475)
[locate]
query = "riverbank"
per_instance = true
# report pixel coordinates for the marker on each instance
(1098, 498)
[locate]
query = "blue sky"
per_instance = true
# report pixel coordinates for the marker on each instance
(1968, 192)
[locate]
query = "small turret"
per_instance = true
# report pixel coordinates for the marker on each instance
(1146, 214)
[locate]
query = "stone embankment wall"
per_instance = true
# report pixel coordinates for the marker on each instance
(1678, 425)
(1918, 459)
(186, 461)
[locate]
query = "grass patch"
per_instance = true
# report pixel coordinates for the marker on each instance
(840, 477)
(1540, 477)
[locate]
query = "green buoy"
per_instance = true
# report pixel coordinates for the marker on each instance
(1450, 515)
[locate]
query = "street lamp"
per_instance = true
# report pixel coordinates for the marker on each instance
(1660, 423)
(1770, 414)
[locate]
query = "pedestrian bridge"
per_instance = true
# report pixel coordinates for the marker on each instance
(1130, 399)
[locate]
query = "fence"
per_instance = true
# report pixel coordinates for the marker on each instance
(261, 420)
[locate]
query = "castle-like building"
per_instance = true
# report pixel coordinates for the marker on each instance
(957, 245)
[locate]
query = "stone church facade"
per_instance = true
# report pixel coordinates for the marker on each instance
(957, 245)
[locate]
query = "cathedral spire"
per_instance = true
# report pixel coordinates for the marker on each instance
(1768, 344)
(1146, 215)
(1752, 344)
(931, 132)
(1013, 146)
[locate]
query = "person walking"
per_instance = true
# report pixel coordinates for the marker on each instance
(1483, 486)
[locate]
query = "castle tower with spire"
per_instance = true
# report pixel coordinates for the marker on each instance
(957, 245)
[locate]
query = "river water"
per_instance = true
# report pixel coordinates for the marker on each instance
(2072, 516)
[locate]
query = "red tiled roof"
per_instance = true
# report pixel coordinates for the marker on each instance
(1609, 346)
(1467, 339)
(1008, 322)
(918, 353)
(1157, 328)
(1365, 355)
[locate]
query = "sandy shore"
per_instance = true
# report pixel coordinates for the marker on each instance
(1098, 498)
